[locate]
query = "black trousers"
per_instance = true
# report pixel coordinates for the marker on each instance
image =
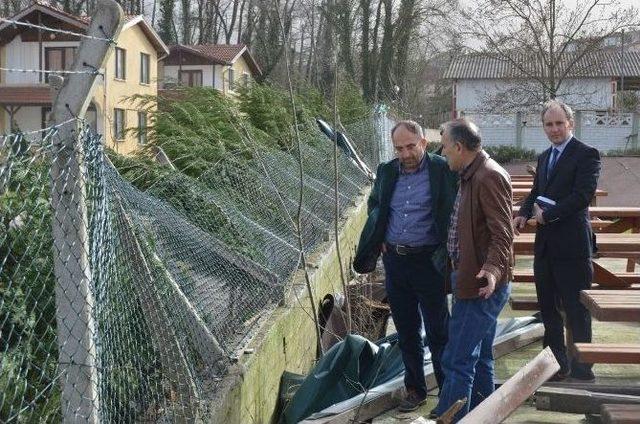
(416, 294)
(558, 284)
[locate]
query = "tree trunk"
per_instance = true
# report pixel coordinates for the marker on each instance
(186, 21)
(386, 53)
(345, 33)
(328, 70)
(365, 54)
(404, 28)
(232, 24)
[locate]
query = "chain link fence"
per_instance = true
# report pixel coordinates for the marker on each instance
(178, 274)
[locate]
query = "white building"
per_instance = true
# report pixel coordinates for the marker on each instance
(493, 92)
(220, 66)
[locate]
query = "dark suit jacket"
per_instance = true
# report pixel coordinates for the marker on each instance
(567, 233)
(444, 186)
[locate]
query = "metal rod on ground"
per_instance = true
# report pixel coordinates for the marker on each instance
(74, 297)
(514, 391)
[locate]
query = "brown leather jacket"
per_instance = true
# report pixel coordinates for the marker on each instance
(485, 230)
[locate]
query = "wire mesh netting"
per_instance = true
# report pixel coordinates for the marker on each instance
(120, 304)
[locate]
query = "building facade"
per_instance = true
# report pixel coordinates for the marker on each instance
(219, 66)
(131, 69)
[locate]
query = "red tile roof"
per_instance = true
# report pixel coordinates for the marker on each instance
(224, 53)
(38, 95)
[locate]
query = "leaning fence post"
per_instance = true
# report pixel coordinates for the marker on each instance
(74, 296)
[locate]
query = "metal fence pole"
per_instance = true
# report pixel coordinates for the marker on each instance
(74, 295)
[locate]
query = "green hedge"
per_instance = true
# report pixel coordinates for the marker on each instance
(507, 154)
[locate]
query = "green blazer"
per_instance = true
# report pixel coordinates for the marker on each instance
(444, 187)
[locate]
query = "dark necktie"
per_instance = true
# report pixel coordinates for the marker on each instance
(552, 163)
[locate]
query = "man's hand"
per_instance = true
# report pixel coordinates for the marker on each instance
(486, 291)
(537, 214)
(383, 248)
(519, 223)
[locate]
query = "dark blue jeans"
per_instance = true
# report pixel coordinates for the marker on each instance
(415, 288)
(467, 360)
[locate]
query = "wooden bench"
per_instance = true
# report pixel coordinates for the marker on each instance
(619, 414)
(524, 303)
(612, 305)
(608, 353)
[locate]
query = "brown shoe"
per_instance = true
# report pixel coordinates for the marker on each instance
(411, 401)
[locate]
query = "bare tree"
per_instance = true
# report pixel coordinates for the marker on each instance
(544, 42)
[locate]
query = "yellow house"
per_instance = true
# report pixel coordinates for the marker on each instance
(131, 69)
(221, 66)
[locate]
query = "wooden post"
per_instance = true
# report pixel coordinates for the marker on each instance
(519, 129)
(577, 122)
(74, 295)
(497, 407)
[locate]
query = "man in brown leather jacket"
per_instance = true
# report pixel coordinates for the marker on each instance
(480, 246)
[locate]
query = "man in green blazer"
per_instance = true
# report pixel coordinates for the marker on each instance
(409, 212)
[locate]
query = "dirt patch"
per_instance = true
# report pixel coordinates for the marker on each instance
(620, 177)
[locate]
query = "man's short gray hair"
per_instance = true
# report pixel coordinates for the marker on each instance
(463, 131)
(411, 126)
(568, 112)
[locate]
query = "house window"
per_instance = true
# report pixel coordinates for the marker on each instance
(191, 78)
(145, 61)
(142, 128)
(121, 69)
(118, 124)
(58, 59)
(245, 79)
(231, 79)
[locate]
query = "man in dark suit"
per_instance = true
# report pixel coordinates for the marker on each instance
(409, 210)
(567, 175)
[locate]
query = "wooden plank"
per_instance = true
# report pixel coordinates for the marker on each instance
(501, 403)
(612, 305)
(628, 278)
(606, 211)
(620, 414)
(625, 388)
(524, 303)
(523, 277)
(521, 177)
(577, 401)
(606, 278)
(597, 225)
(619, 244)
(521, 193)
(606, 353)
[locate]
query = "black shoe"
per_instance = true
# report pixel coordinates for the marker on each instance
(559, 376)
(411, 402)
(582, 377)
